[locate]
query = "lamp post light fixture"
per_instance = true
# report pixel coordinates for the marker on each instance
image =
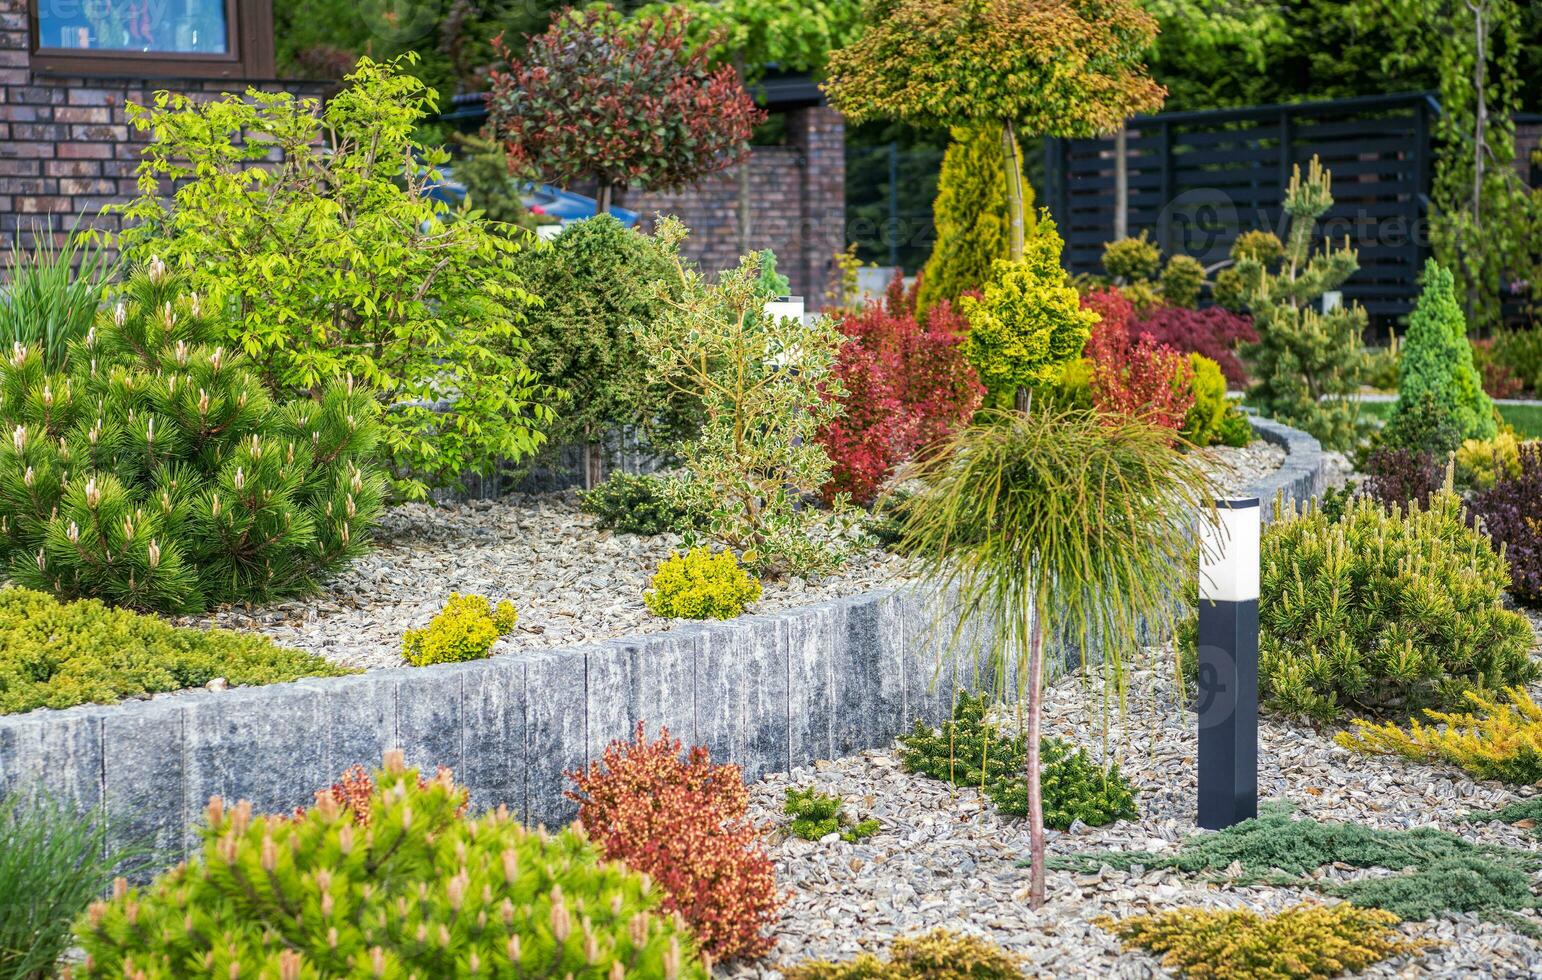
(1228, 664)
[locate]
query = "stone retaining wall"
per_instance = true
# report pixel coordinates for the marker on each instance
(768, 692)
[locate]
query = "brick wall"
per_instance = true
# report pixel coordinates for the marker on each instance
(797, 205)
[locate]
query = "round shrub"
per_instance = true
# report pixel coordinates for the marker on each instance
(701, 585)
(634, 504)
(1480, 462)
(418, 892)
(684, 822)
(1181, 280)
(155, 472)
(1202, 424)
(1131, 259)
(1384, 612)
(57, 654)
(465, 629)
(1236, 430)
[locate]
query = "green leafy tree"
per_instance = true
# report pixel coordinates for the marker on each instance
(482, 168)
(1307, 363)
(1437, 359)
(1029, 321)
(1071, 525)
(335, 265)
(1048, 67)
(157, 473)
(970, 215)
(595, 98)
(598, 281)
(766, 386)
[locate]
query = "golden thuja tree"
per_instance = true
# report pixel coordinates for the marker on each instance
(1045, 67)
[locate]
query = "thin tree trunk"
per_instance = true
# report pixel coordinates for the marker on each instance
(744, 177)
(1121, 185)
(1035, 792)
(602, 198)
(1014, 188)
(594, 465)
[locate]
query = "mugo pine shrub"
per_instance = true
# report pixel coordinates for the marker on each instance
(419, 891)
(1304, 941)
(971, 750)
(59, 654)
(465, 629)
(635, 504)
(156, 472)
(701, 585)
(1384, 612)
(684, 822)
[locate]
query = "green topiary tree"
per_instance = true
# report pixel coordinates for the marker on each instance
(598, 283)
(1437, 359)
(1069, 68)
(970, 215)
(413, 889)
(1029, 321)
(1307, 363)
(156, 472)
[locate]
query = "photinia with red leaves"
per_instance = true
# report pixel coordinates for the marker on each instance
(619, 103)
(1135, 379)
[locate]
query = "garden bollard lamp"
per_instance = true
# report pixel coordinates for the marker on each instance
(1228, 664)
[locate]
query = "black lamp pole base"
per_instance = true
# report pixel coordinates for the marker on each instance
(1228, 712)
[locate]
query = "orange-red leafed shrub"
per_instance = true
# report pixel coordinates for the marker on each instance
(355, 786)
(1135, 378)
(684, 821)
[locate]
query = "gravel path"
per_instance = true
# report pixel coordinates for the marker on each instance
(571, 583)
(945, 858)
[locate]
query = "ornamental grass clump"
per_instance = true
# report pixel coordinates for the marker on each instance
(938, 955)
(701, 585)
(419, 891)
(1301, 942)
(1053, 523)
(972, 750)
(155, 472)
(465, 629)
(58, 654)
(1497, 739)
(684, 822)
(1384, 612)
(817, 815)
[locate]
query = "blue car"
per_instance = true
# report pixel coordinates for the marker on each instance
(541, 199)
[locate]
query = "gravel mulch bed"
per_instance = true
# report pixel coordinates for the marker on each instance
(944, 857)
(571, 582)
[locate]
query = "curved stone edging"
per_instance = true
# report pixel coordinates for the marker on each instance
(770, 692)
(1303, 475)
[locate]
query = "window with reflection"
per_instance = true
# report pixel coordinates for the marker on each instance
(150, 26)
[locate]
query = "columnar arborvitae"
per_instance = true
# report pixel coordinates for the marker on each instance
(1437, 359)
(154, 471)
(1306, 362)
(970, 215)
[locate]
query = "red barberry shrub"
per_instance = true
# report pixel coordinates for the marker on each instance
(1135, 379)
(908, 386)
(1403, 478)
(1215, 333)
(1511, 513)
(684, 821)
(353, 789)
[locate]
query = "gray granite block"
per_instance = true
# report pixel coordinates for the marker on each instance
(143, 781)
(721, 686)
(494, 711)
(869, 686)
(810, 638)
(262, 744)
(56, 753)
(649, 680)
(358, 719)
(556, 735)
(929, 656)
(767, 723)
(430, 716)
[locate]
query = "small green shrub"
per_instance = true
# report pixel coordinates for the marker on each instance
(886, 524)
(419, 891)
(1383, 364)
(701, 585)
(1521, 352)
(1236, 431)
(1384, 612)
(465, 629)
(1481, 462)
(1182, 278)
(55, 654)
(1437, 359)
(1435, 873)
(1131, 259)
(645, 505)
(970, 750)
(1421, 425)
(1206, 418)
(816, 815)
(53, 862)
(1301, 942)
(938, 955)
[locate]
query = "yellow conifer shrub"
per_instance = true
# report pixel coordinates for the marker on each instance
(1497, 740)
(1299, 943)
(466, 629)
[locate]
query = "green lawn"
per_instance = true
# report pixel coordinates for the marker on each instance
(1527, 419)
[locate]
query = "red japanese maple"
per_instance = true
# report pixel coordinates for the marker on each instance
(618, 103)
(1214, 332)
(907, 386)
(1136, 379)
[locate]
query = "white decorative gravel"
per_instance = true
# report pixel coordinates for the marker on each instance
(571, 582)
(944, 857)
